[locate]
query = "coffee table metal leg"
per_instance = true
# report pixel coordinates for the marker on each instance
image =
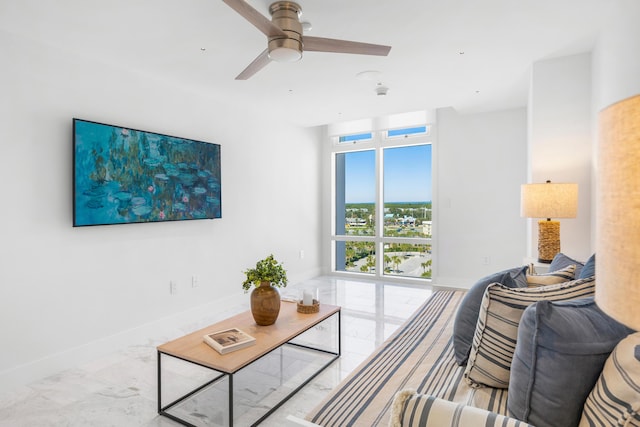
(163, 409)
(230, 376)
(159, 383)
(339, 333)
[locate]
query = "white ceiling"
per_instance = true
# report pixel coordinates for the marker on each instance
(500, 39)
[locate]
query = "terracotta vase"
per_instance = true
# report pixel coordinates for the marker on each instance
(265, 304)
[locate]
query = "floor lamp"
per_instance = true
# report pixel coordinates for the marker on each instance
(618, 212)
(548, 200)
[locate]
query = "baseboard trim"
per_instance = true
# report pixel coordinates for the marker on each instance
(30, 372)
(453, 282)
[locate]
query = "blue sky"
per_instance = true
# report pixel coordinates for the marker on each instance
(407, 175)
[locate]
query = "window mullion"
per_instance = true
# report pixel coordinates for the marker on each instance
(379, 209)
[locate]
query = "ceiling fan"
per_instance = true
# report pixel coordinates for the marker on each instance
(285, 40)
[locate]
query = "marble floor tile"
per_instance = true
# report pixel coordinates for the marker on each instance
(121, 389)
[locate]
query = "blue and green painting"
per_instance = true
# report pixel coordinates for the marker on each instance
(123, 175)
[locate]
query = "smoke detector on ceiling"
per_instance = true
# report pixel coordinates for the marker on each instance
(381, 90)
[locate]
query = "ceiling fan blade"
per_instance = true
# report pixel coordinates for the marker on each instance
(321, 44)
(256, 65)
(258, 20)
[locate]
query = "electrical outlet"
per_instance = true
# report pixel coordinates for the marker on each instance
(173, 287)
(301, 254)
(195, 281)
(486, 260)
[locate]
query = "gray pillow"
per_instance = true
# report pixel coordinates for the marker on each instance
(561, 261)
(589, 268)
(560, 352)
(464, 325)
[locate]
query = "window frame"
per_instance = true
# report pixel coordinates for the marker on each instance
(379, 141)
(409, 134)
(353, 138)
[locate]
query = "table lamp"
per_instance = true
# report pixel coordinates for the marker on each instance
(618, 212)
(548, 200)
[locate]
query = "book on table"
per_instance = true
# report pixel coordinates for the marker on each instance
(229, 340)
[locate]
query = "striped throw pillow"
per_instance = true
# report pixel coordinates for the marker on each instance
(615, 400)
(496, 333)
(419, 410)
(560, 276)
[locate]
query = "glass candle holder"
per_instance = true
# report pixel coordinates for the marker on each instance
(308, 301)
(309, 296)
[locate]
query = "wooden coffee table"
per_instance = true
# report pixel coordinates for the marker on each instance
(290, 325)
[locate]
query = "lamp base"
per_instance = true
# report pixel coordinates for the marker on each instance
(548, 240)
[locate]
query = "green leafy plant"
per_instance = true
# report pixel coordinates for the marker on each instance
(266, 270)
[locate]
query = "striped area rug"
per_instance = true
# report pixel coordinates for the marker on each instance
(418, 356)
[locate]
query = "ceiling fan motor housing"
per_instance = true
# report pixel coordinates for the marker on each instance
(285, 39)
(286, 15)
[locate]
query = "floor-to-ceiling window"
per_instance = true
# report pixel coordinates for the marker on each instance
(382, 203)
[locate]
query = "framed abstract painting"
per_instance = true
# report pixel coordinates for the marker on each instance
(123, 175)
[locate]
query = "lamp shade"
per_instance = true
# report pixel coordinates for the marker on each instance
(549, 200)
(618, 212)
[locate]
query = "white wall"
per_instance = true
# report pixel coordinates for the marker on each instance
(69, 294)
(560, 143)
(565, 98)
(480, 164)
(616, 62)
(616, 68)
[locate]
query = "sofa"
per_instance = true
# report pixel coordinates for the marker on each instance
(516, 349)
